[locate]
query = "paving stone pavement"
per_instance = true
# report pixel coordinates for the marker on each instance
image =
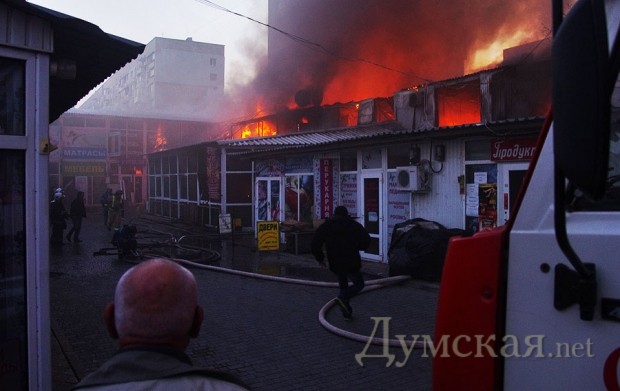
(266, 332)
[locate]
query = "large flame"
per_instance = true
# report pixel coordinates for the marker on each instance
(491, 55)
(262, 127)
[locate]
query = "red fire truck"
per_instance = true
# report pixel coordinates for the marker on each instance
(535, 304)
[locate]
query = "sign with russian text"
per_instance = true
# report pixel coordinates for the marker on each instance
(83, 168)
(326, 176)
(268, 233)
(225, 221)
(84, 153)
(513, 149)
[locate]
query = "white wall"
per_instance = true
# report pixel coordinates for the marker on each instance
(443, 203)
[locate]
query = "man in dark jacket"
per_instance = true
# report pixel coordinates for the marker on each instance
(77, 211)
(154, 315)
(58, 216)
(343, 238)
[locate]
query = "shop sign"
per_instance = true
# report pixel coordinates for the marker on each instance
(75, 153)
(513, 149)
(83, 168)
(326, 188)
(268, 235)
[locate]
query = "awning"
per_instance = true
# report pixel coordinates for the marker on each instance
(96, 54)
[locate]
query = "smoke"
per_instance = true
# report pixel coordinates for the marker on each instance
(346, 50)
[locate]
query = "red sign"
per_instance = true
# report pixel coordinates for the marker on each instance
(513, 149)
(327, 188)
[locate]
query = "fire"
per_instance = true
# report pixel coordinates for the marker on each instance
(492, 54)
(160, 140)
(258, 128)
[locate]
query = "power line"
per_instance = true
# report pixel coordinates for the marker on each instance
(313, 45)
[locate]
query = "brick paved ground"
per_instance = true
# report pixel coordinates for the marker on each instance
(266, 332)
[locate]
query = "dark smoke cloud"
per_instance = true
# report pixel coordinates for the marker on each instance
(420, 41)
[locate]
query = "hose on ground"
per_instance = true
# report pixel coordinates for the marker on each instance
(370, 286)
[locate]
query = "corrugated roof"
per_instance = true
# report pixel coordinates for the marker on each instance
(367, 133)
(315, 138)
(96, 54)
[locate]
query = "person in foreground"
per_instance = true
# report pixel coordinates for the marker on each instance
(154, 315)
(343, 238)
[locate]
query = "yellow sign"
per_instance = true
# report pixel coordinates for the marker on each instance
(268, 235)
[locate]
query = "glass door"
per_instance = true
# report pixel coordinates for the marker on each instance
(372, 214)
(268, 198)
(24, 221)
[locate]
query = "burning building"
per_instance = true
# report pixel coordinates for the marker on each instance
(450, 115)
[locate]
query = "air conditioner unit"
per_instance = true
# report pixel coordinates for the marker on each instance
(412, 178)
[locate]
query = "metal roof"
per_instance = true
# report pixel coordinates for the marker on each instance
(375, 134)
(96, 55)
(315, 138)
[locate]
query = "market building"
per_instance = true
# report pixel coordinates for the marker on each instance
(162, 99)
(453, 151)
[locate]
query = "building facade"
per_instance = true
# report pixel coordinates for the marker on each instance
(453, 152)
(172, 78)
(47, 62)
(96, 152)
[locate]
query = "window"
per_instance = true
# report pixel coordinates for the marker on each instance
(213, 76)
(398, 156)
(213, 61)
(478, 150)
(13, 336)
(299, 198)
(114, 144)
(239, 188)
(458, 105)
(12, 97)
(611, 199)
(348, 161)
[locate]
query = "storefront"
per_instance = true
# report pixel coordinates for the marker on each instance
(460, 181)
(37, 83)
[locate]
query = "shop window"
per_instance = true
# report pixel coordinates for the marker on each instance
(158, 186)
(165, 165)
(477, 150)
(371, 158)
(458, 105)
(192, 187)
(151, 186)
(182, 164)
(173, 187)
(398, 156)
(167, 186)
(114, 144)
(348, 161)
(192, 163)
(13, 301)
(182, 187)
(234, 163)
(238, 188)
(299, 198)
(12, 98)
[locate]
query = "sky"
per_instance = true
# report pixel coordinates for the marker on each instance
(143, 20)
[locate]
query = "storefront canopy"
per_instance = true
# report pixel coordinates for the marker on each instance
(83, 46)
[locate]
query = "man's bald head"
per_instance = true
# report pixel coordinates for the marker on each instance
(156, 302)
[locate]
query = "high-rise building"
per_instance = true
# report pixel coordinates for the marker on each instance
(171, 78)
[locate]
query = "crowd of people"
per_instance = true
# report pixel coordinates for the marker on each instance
(113, 206)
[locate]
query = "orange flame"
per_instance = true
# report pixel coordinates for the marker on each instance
(491, 54)
(160, 140)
